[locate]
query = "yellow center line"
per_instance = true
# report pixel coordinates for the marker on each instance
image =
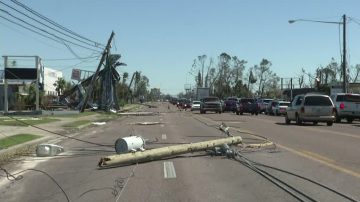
(317, 129)
(313, 156)
(321, 159)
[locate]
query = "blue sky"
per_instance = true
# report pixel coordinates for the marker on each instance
(161, 38)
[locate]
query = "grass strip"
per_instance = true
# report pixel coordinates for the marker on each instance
(16, 139)
(76, 124)
(25, 122)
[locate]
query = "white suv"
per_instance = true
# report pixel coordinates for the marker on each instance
(347, 106)
(311, 108)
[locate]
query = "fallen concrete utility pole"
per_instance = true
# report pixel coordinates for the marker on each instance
(164, 152)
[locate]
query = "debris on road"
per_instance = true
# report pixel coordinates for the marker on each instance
(147, 123)
(98, 123)
(43, 150)
(163, 152)
(138, 113)
(129, 144)
(223, 127)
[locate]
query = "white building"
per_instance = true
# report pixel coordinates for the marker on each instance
(50, 77)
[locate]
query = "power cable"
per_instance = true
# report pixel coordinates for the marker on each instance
(54, 23)
(278, 182)
(27, 35)
(54, 35)
(47, 25)
(13, 177)
(30, 29)
(305, 178)
(61, 59)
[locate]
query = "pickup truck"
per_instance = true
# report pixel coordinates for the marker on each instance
(210, 104)
(247, 105)
(347, 106)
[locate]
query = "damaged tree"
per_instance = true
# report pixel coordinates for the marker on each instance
(82, 94)
(164, 152)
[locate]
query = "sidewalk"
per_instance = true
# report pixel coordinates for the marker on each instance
(29, 147)
(57, 126)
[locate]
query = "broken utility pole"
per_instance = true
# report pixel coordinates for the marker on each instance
(159, 153)
(90, 88)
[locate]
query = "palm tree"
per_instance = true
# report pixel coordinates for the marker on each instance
(60, 86)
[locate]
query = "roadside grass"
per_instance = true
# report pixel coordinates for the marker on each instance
(86, 113)
(16, 139)
(25, 121)
(130, 107)
(76, 124)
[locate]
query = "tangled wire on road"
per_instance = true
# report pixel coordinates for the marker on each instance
(18, 177)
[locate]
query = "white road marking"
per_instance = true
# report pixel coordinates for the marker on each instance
(162, 125)
(169, 170)
(163, 136)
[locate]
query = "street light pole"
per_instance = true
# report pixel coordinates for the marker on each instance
(344, 44)
(344, 54)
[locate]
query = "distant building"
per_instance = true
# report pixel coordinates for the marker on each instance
(50, 77)
(16, 87)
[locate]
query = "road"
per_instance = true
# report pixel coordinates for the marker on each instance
(328, 155)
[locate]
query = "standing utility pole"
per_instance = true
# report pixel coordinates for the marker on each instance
(90, 88)
(343, 23)
(344, 54)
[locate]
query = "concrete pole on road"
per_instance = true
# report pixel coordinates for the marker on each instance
(164, 152)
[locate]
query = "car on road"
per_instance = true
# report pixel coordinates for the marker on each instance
(263, 103)
(270, 108)
(195, 105)
(230, 104)
(311, 108)
(347, 106)
(280, 108)
(247, 105)
(211, 103)
(184, 103)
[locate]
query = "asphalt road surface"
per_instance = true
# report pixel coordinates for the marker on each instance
(326, 155)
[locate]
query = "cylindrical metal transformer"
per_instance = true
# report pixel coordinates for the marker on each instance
(127, 144)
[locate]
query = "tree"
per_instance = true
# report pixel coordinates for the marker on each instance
(125, 77)
(59, 86)
(222, 84)
(301, 77)
(262, 74)
(354, 73)
(198, 80)
(238, 69)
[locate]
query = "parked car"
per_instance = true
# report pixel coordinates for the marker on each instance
(311, 108)
(347, 106)
(270, 108)
(230, 104)
(280, 108)
(210, 104)
(195, 105)
(247, 105)
(263, 103)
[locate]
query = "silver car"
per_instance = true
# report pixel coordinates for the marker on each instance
(311, 108)
(195, 105)
(280, 108)
(347, 106)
